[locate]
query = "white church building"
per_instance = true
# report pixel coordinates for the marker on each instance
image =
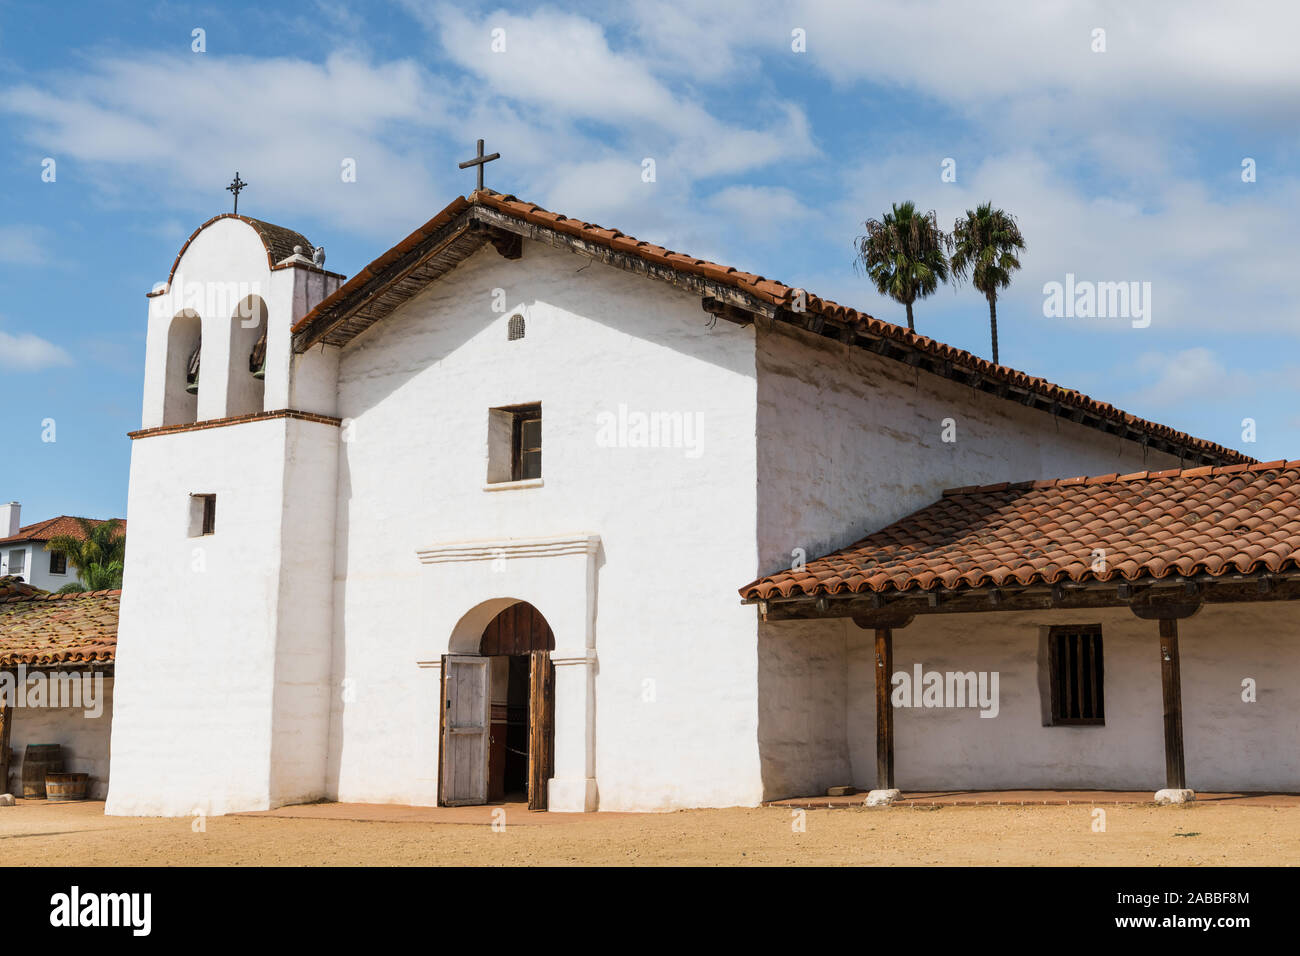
(479, 521)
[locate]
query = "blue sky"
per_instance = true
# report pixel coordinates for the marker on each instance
(1123, 165)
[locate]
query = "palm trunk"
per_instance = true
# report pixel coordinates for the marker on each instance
(910, 325)
(993, 325)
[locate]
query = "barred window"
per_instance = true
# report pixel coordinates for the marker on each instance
(516, 327)
(1077, 675)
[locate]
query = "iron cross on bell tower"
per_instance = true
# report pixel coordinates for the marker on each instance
(236, 187)
(479, 161)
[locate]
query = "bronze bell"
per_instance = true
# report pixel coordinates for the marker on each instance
(192, 372)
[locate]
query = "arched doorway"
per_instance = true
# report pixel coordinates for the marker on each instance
(498, 714)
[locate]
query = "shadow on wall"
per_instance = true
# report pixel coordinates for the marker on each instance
(802, 707)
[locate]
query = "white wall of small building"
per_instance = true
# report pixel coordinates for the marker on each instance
(35, 566)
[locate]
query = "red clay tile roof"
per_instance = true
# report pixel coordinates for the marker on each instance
(13, 586)
(1215, 521)
(53, 527)
(769, 291)
(59, 628)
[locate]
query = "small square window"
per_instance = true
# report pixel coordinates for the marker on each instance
(17, 561)
(1076, 672)
(203, 515)
(58, 563)
(514, 443)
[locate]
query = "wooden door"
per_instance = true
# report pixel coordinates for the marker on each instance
(466, 700)
(541, 728)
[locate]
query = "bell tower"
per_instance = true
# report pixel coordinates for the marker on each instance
(226, 626)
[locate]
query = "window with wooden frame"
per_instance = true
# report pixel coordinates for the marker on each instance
(203, 515)
(58, 562)
(1077, 675)
(526, 443)
(514, 444)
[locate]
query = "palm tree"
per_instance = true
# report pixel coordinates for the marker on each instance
(904, 254)
(985, 243)
(98, 555)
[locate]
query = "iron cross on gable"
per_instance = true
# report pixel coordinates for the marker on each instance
(479, 161)
(236, 187)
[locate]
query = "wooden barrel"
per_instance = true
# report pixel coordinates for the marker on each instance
(63, 787)
(39, 760)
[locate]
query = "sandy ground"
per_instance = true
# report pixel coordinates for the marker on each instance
(37, 834)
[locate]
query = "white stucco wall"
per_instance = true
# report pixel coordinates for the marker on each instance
(210, 658)
(84, 739)
(804, 693)
(676, 533)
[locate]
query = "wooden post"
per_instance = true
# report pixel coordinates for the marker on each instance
(6, 728)
(884, 710)
(1171, 684)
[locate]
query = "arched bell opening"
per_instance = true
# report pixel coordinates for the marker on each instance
(181, 372)
(245, 390)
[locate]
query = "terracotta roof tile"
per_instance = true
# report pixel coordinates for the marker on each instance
(1229, 519)
(54, 527)
(59, 628)
(13, 586)
(278, 241)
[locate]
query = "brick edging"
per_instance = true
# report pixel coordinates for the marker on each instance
(234, 420)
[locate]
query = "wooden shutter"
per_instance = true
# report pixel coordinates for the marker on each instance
(541, 728)
(465, 726)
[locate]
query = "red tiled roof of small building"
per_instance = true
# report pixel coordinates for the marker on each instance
(54, 527)
(1214, 521)
(59, 628)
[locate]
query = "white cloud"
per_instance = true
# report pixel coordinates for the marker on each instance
(563, 105)
(187, 123)
(1180, 377)
(25, 352)
(1205, 57)
(765, 210)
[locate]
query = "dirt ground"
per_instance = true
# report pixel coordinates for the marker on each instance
(36, 833)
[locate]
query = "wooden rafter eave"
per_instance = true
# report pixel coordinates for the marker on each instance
(1175, 596)
(383, 293)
